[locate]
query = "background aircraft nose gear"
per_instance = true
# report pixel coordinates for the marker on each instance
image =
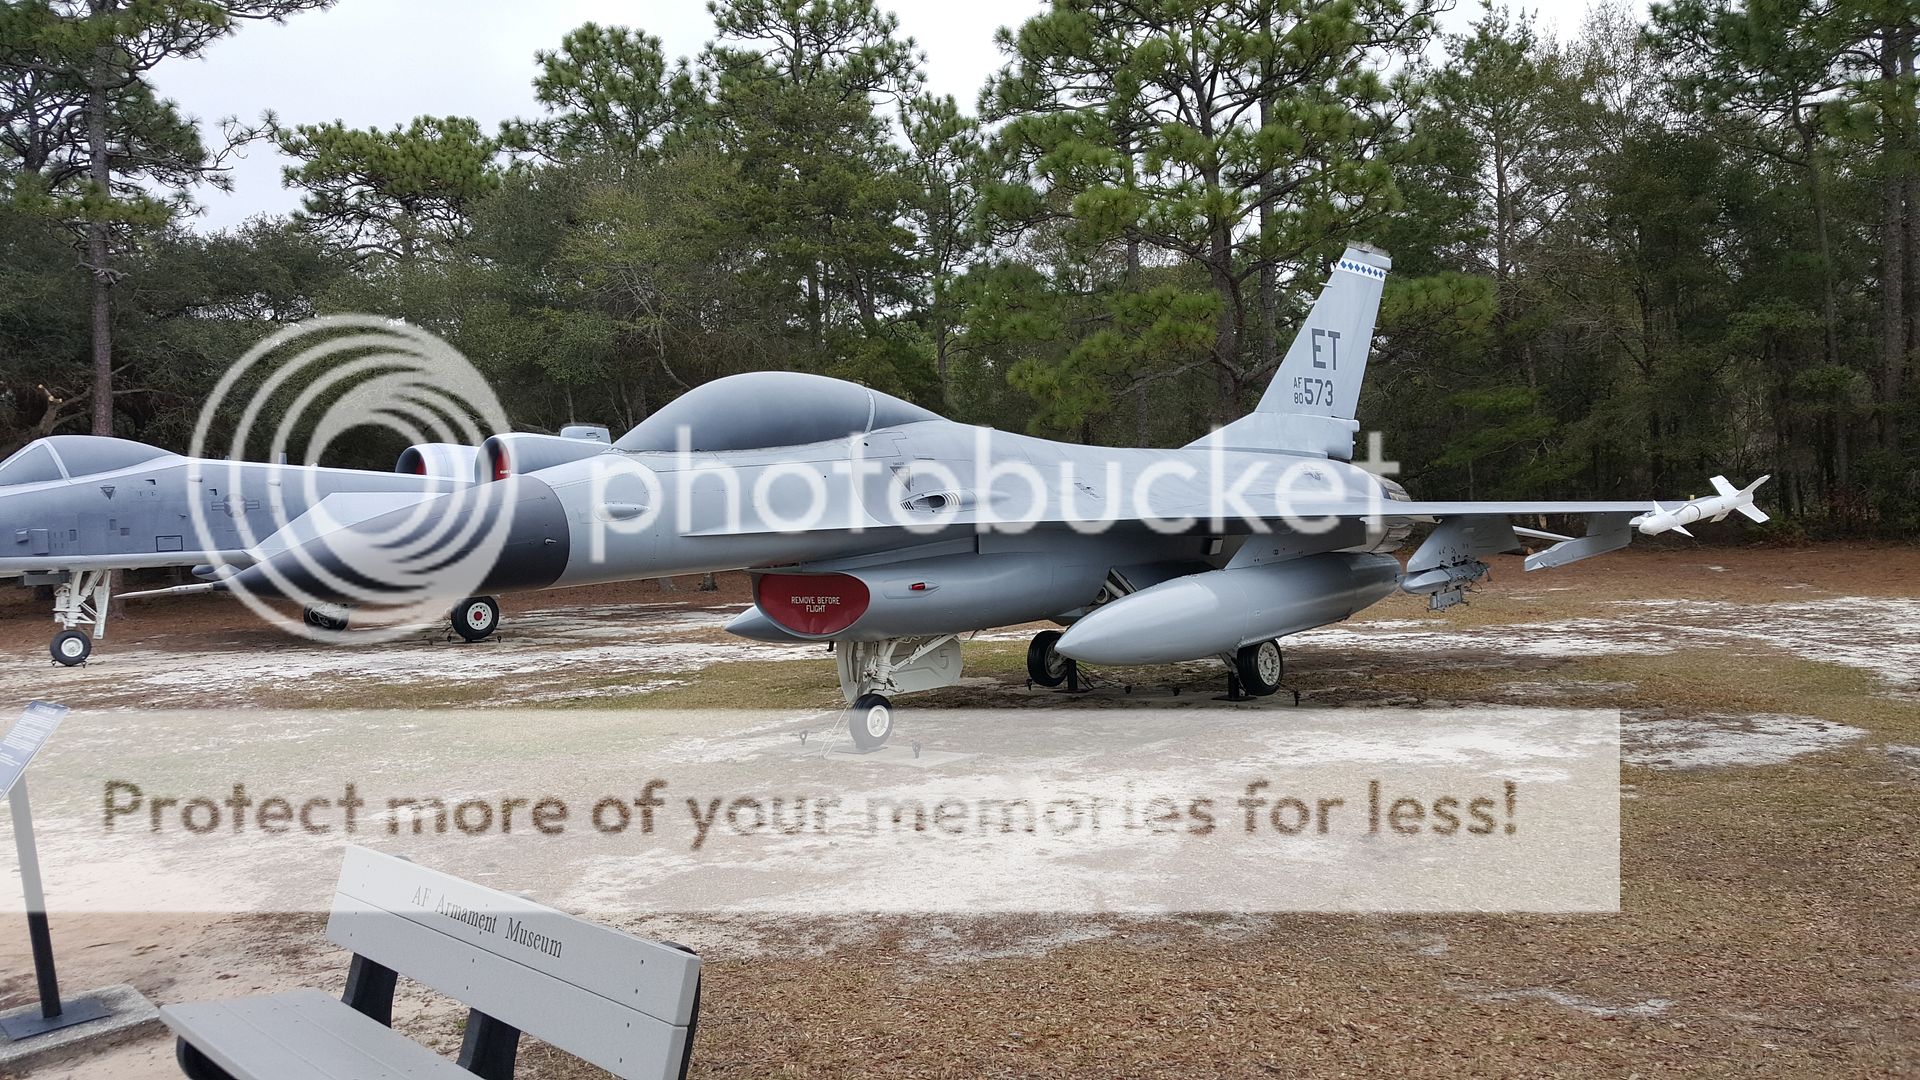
(80, 600)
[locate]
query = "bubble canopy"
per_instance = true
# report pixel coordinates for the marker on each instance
(59, 457)
(769, 408)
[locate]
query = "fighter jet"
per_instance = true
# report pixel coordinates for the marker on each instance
(78, 507)
(888, 531)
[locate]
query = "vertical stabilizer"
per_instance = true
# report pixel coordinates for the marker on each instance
(1311, 404)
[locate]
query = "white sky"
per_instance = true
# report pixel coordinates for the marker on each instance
(377, 63)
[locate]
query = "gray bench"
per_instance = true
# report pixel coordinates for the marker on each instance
(627, 1005)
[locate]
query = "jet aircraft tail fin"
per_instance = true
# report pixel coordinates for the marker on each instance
(1311, 404)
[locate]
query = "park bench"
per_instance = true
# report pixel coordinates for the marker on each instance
(627, 1005)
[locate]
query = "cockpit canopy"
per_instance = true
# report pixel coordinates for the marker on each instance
(769, 408)
(63, 457)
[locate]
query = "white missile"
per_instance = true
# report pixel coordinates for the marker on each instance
(1712, 507)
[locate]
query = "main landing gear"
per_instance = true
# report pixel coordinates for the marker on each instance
(329, 617)
(1045, 666)
(1257, 670)
(476, 617)
(80, 598)
(872, 670)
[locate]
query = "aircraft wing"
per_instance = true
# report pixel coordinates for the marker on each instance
(337, 511)
(14, 567)
(340, 510)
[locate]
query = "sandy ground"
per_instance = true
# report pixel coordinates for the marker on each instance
(1770, 886)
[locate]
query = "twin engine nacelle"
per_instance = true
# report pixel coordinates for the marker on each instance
(912, 599)
(438, 460)
(502, 456)
(512, 454)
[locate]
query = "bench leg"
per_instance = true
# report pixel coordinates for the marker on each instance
(370, 990)
(490, 1046)
(195, 1064)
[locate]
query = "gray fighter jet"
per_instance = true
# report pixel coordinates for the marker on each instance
(76, 508)
(888, 531)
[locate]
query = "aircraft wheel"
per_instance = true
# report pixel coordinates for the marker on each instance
(321, 620)
(1045, 665)
(1260, 667)
(870, 721)
(476, 617)
(71, 647)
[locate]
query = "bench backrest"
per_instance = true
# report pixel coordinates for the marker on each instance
(617, 1001)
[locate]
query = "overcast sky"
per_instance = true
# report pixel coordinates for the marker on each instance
(377, 63)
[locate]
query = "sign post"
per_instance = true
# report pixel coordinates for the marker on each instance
(17, 750)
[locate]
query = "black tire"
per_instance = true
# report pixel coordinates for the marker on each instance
(870, 721)
(476, 617)
(70, 647)
(1260, 667)
(1045, 665)
(321, 621)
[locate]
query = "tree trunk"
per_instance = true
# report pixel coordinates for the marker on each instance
(1893, 254)
(1817, 193)
(1911, 167)
(1269, 274)
(99, 171)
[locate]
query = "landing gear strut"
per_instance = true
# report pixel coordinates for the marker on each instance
(476, 617)
(80, 600)
(872, 670)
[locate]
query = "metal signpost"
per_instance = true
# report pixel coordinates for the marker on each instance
(23, 741)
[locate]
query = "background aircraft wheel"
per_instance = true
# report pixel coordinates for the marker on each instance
(71, 647)
(870, 721)
(1045, 665)
(321, 620)
(1260, 667)
(476, 617)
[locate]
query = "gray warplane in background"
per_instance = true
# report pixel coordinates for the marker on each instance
(78, 507)
(887, 530)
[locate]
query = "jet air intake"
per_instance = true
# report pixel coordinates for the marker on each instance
(1219, 611)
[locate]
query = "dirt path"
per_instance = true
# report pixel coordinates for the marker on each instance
(1770, 866)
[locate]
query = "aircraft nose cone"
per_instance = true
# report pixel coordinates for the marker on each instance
(503, 536)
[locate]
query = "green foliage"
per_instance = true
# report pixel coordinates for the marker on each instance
(1624, 261)
(398, 194)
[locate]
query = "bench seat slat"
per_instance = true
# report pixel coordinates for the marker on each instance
(303, 1035)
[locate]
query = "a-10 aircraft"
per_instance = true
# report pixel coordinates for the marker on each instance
(887, 530)
(79, 507)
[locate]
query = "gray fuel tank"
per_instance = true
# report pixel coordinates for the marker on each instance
(1217, 612)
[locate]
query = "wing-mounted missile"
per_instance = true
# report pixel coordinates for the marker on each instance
(1452, 558)
(1728, 500)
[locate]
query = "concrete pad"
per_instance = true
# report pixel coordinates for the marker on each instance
(128, 1010)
